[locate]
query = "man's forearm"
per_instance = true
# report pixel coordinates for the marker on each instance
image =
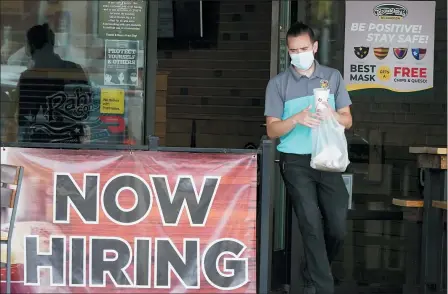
(344, 119)
(277, 129)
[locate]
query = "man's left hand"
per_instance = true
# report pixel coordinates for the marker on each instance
(326, 111)
(343, 115)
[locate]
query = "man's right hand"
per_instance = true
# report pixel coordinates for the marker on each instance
(307, 118)
(276, 127)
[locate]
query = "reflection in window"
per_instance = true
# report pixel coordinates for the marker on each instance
(71, 82)
(322, 16)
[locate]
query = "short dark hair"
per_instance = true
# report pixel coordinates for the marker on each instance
(40, 35)
(299, 28)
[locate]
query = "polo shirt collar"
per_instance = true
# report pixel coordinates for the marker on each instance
(317, 72)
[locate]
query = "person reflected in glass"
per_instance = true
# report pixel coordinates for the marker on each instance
(54, 94)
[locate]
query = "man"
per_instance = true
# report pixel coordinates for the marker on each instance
(54, 94)
(320, 199)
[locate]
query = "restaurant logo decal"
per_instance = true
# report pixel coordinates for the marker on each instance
(390, 11)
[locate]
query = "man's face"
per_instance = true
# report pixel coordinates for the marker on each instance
(301, 43)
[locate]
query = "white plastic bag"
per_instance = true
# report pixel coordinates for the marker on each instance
(329, 146)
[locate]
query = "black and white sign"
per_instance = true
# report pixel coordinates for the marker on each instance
(121, 63)
(124, 20)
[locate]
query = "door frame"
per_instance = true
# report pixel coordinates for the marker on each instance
(281, 253)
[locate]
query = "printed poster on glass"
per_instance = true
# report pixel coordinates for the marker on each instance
(389, 45)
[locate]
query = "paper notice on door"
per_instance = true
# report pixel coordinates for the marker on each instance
(112, 101)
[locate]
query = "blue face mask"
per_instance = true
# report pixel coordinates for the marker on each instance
(302, 61)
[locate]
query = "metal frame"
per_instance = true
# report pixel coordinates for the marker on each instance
(152, 12)
(152, 146)
(266, 211)
(280, 211)
(275, 33)
(206, 150)
(75, 146)
(284, 24)
(280, 247)
(11, 231)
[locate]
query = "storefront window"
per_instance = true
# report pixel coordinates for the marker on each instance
(72, 71)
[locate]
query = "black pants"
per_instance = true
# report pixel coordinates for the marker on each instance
(320, 201)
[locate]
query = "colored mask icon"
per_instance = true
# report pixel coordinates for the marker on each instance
(381, 52)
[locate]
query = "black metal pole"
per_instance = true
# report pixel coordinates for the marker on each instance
(432, 231)
(266, 216)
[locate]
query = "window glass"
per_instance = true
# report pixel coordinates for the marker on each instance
(72, 71)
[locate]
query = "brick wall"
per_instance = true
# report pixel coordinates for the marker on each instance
(221, 88)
